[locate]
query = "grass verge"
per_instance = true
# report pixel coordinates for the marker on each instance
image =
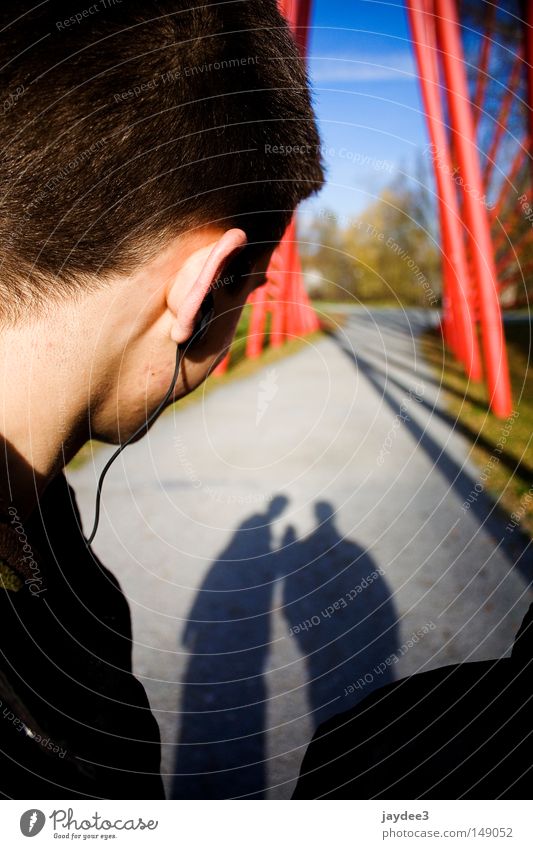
(502, 449)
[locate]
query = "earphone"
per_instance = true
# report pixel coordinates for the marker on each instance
(203, 320)
(201, 326)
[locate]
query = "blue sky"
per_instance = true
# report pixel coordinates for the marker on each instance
(366, 97)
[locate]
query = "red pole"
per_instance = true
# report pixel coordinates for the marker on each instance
(517, 163)
(300, 317)
(455, 272)
(292, 297)
(528, 51)
(475, 212)
(503, 117)
(222, 366)
(527, 7)
(483, 66)
(502, 239)
(272, 297)
(298, 14)
(256, 330)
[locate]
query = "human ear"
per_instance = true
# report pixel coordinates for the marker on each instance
(197, 277)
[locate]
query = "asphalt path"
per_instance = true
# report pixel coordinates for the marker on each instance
(294, 540)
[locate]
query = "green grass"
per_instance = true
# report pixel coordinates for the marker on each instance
(509, 444)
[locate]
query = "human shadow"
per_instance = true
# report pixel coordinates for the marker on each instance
(221, 746)
(328, 581)
(340, 612)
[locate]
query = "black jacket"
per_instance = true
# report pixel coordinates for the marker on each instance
(459, 732)
(74, 721)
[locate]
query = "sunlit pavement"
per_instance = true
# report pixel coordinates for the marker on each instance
(293, 541)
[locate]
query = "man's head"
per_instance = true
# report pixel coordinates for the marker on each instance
(143, 165)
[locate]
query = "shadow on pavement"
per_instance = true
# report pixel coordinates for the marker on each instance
(516, 547)
(337, 608)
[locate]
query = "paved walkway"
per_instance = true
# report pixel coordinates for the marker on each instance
(294, 540)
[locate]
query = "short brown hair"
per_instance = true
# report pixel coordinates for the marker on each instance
(127, 123)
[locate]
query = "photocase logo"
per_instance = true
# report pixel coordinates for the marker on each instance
(31, 822)
(268, 389)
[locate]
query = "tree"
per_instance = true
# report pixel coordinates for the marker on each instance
(389, 253)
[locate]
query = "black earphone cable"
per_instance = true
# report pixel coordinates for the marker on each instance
(139, 430)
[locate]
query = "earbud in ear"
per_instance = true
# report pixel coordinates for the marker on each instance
(204, 318)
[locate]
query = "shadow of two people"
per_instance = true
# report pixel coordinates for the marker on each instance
(338, 609)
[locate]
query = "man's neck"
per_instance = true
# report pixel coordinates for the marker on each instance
(42, 425)
(21, 484)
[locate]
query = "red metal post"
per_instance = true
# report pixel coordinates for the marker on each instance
(507, 184)
(455, 272)
(300, 315)
(503, 117)
(292, 297)
(477, 222)
(222, 366)
(502, 238)
(278, 319)
(284, 295)
(256, 330)
(513, 249)
(483, 66)
(528, 53)
(298, 14)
